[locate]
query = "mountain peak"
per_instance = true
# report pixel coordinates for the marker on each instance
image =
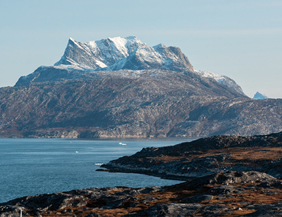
(258, 96)
(118, 54)
(131, 37)
(71, 39)
(160, 45)
(123, 53)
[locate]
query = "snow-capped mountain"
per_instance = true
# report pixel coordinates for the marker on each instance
(126, 56)
(121, 88)
(224, 80)
(123, 53)
(258, 95)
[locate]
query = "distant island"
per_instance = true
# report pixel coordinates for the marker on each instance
(121, 88)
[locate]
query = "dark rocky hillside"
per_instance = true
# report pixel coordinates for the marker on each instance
(107, 106)
(153, 104)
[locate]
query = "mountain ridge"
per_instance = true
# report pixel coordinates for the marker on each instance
(123, 53)
(150, 98)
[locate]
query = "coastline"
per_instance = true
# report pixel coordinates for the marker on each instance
(241, 192)
(222, 194)
(206, 156)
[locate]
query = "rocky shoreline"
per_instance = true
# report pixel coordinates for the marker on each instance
(206, 156)
(224, 176)
(221, 194)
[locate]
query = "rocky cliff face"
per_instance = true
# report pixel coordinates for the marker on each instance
(121, 88)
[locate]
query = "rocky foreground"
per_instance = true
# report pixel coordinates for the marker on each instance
(219, 181)
(222, 194)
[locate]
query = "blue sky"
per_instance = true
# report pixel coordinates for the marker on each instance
(241, 39)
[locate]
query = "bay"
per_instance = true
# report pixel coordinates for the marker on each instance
(37, 166)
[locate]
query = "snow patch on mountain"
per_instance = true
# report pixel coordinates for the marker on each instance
(224, 80)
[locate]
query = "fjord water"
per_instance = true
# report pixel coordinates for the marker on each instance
(37, 166)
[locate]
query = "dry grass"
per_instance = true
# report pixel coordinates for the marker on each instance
(259, 153)
(232, 155)
(234, 203)
(166, 159)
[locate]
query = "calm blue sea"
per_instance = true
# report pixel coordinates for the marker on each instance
(37, 166)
